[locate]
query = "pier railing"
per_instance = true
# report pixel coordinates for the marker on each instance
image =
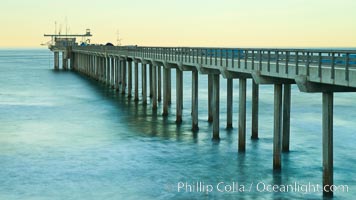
(256, 58)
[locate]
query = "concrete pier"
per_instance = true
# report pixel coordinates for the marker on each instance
(242, 115)
(322, 71)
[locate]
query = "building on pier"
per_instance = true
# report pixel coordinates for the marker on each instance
(63, 43)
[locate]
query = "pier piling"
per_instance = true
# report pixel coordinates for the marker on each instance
(195, 100)
(286, 117)
(216, 106)
(254, 128)
(327, 142)
(179, 95)
(277, 127)
(242, 115)
(229, 103)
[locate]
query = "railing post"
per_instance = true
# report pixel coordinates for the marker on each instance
(308, 63)
(206, 56)
(221, 64)
(226, 58)
(296, 62)
(332, 65)
(269, 61)
(287, 62)
(232, 58)
(277, 61)
(319, 64)
(238, 58)
(245, 58)
(216, 56)
(260, 59)
(253, 59)
(347, 57)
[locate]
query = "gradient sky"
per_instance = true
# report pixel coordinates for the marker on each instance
(228, 23)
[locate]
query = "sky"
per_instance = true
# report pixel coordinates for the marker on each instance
(205, 23)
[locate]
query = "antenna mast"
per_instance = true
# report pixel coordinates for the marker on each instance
(118, 39)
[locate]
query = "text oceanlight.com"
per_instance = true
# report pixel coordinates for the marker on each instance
(236, 187)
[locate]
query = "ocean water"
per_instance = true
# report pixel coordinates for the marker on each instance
(64, 136)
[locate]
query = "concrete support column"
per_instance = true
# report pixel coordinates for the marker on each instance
(144, 84)
(216, 106)
(179, 95)
(112, 79)
(102, 66)
(229, 103)
(93, 67)
(286, 117)
(165, 91)
(129, 88)
(123, 76)
(72, 61)
(150, 79)
(97, 64)
(169, 84)
(98, 68)
(210, 97)
(277, 127)
(56, 60)
(136, 81)
(327, 142)
(106, 73)
(195, 89)
(107, 67)
(154, 87)
(117, 74)
(64, 60)
(255, 88)
(159, 82)
(119, 64)
(242, 114)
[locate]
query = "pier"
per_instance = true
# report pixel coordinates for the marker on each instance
(312, 70)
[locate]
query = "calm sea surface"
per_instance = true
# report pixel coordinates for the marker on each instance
(64, 136)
